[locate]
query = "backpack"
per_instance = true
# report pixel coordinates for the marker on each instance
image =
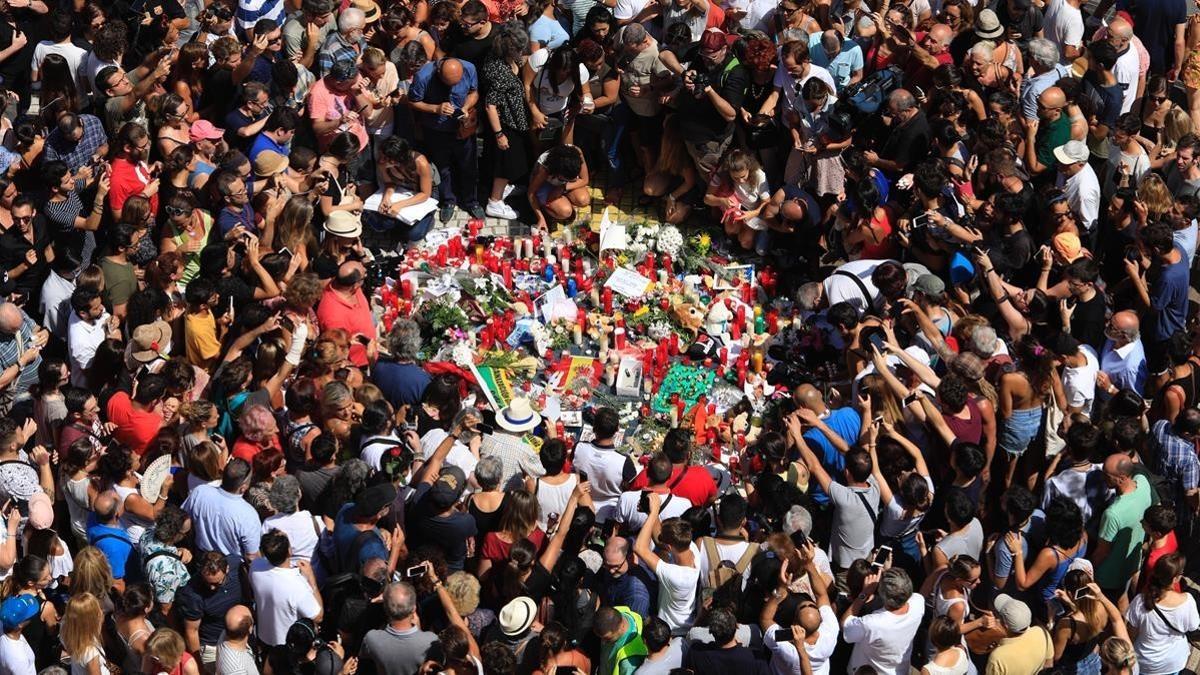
(135, 565)
(721, 571)
(230, 408)
(869, 94)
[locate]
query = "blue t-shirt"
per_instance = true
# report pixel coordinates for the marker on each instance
(549, 32)
(227, 220)
(846, 423)
(1169, 298)
(842, 65)
(344, 535)
(1156, 21)
(264, 142)
(400, 383)
(427, 87)
(116, 546)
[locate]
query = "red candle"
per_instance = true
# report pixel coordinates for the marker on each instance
(474, 225)
(651, 260)
(619, 337)
(506, 272)
(406, 289)
(606, 299)
(735, 329)
(724, 354)
(485, 335)
(674, 342)
(647, 363)
(772, 322)
(679, 406)
(442, 254)
(666, 263)
(747, 293)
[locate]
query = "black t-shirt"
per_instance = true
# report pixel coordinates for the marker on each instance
(462, 46)
(197, 603)
(13, 246)
(704, 123)
(236, 288)
(909, 143)
(450, 531)
(1106, 99)
(1088, 322)
(709, 658)
(15, 69)
(219, 91)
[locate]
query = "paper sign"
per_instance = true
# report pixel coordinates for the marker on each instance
(409, 214)
(628, 283)
(612, 235)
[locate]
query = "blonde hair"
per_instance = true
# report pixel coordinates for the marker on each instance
(196, 413)
(165, 646)
(92, 573)
(1176, 125)
(463, 588)
(882, 398)
(1118, 652)
(1154, 194)
(81, 624)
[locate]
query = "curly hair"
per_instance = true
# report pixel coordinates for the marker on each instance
(760, 54)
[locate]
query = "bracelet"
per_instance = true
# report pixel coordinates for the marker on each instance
(499, 133)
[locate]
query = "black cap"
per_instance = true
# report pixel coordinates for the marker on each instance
(373, 500)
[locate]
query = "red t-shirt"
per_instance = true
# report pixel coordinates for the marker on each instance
(126, 180)
(697, 485)
(135, 428)
(496, 549)
(1156, 553)
(244, 449)
(354, 316)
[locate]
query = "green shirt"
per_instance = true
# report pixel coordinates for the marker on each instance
(1049, 137)
(119, 282)
(1121, 526)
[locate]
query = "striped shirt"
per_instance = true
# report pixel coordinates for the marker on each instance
(249, 12)
(11, 347)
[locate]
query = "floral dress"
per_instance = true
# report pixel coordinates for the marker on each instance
(163, 566)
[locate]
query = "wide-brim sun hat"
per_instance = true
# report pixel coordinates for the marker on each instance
(518, 416)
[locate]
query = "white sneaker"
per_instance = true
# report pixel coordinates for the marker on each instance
(500, 210)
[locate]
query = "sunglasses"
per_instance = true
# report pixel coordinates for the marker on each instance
(175, 211)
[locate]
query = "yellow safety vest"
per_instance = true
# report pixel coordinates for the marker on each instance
(632, 648)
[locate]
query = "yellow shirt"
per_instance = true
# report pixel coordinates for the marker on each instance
(200, 332)
(1025, 654)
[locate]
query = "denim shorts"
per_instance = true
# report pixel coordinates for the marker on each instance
(1019, 430)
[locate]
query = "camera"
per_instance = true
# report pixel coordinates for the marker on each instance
(696, 81)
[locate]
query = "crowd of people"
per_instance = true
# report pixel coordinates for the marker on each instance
(977, 451)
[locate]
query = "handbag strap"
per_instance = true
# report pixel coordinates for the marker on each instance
(1165, 620)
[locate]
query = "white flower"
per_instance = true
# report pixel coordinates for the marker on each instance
(462, 354)
(658, 330)
(670, 240)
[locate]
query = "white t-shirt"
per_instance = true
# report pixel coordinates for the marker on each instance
(79, 664)
(303, 530)
(552, 99)
(727, 551)
(283, 596)
(1063, 24)
(785, 660)
(56, 304)
(607, 471)
(372, 449)
(1079, 384)
(16, 656)
(789, 84)
(673, 506)
(1127, 70)
(460, 455)
(1159, 648)
(676, 594)
(884, 640)
(1083, 194)
(839, 288)
(73, 55)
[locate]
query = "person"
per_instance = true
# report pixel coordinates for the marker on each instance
(814, 630)
(402, 646)
(1161, 617)
(233, 652)
(883, 638)
(206, 601)
(606, 469)
(623, 648)
(1026, 648)
(284, 590)
(16, 656)
(223, 520)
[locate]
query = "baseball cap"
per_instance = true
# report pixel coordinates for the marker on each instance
(930, 285)
(714, 39)
(1072, 152)
(203, 130)
(1013, 613)
(17, 610)
(448, 488)
(41, 511)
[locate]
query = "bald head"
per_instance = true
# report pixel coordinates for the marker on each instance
(1053, 97)
(238, 622)
(1120, 28)
(941, 34)
(105, 506)
(616, 551)
(350, 274)
(1124, 327)
(451, 71)
(1118, 465)
(11, 318)
(831, 42)
(809, 618)
(810, 397)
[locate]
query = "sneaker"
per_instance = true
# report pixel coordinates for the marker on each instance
(508, 190)
(446, 212)
(476, 211)
(500, 210)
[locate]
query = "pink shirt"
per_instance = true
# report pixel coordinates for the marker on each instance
(325, 105)
(354, 316)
